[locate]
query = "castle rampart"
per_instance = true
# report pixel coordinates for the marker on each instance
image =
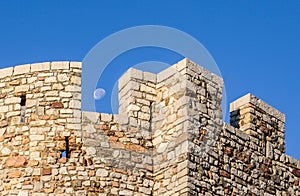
(168, 138)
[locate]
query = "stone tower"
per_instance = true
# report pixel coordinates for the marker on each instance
(168, 138)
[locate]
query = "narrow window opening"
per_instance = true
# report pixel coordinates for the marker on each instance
(151, 116)
(23, 108)
(66, 153)
(67, 147)
(23, 100)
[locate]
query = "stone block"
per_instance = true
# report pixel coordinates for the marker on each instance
(46, 171)
(71, 88)
(5, 151)
(74, 126)
(162, 147)
(46, 178)
(6, 72)
(12, 100)
(57, 105)
(38, 186)
(269, 150)
(23, 193)
(130, 75)
(51, 79)
(102, 173)
(63, 77)
(22, 88)
(3, 109)
(16, 161)
(149, 77)
(76, 80)
(22, 69)
(75, 104)
(93, 117)
(165, 74)
(76, 65)
(40, 67)
(37, 137)
(14, 174)
(106, 117)
(63, 170)
(91, 151)
(60, 65)
(147, 89)
(57, 86)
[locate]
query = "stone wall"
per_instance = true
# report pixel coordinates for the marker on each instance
(40, 112)
(118, 159)
(168, 138)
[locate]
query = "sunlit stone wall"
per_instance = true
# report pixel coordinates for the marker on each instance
(168, 138)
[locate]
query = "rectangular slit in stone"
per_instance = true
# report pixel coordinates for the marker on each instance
(65, 153)
(67, 147)
(151, 116)
(23, 108)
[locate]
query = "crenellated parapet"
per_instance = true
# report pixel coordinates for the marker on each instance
(167, 139)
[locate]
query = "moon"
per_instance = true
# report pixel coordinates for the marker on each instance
(99, 93)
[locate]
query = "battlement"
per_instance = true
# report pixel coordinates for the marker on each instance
(168, 138)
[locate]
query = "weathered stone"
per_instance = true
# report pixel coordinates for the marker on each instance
(224, 174)
(65, 94)
(14, 174)
(12, 100)
(17, 161)
(296, 172)
(38, 186)
(162, 147)
(22, 69)
(6, 72)
(15, 83)
(46, 178)
(63, 77)
(57, 105)
(72, 89)
(60, 65)
(75, 104)
(3, 123)
(40, 67)
(75, 65)
(22, 88)
(106, 117)
(229, 151)
(23, 193)
(36, 137)
(102, 172)
(46, 171)
(91, 151)
(57, 86)
(52, 79)
(33, 163)
(76, 80)
(63, 170)
(5, 151)
(167, 139)
(3, 109)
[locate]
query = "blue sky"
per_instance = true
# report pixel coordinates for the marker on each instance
(255, 44)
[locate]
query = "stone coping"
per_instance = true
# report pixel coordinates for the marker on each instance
(249, 98)
(36, 67)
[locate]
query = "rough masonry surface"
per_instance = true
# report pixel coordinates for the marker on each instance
(168, 138)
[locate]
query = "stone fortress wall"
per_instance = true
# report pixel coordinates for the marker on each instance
(168, 138)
